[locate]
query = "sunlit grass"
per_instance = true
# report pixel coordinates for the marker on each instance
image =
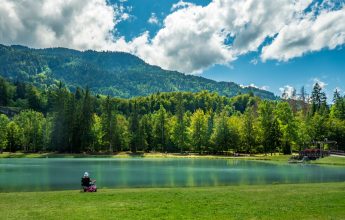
(292, 201)
(332, 160)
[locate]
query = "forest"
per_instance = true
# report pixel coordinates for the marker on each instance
(58, 120)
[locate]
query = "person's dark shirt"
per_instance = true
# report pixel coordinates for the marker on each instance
(85, 181)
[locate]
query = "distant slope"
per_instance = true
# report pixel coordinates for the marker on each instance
(109, 73)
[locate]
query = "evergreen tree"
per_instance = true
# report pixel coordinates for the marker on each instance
(59, 131)
(338, 107)
(146, 125)
(248, 130)
(4, 92)
(179, 136)
(160, 129)
(303, 98)
(135, 129)
(108, 123)
(86, 121)
(318, 99)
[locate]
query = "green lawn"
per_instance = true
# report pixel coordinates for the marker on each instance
(298, 201)
(332, 160)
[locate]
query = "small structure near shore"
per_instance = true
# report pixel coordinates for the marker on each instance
(313, 153)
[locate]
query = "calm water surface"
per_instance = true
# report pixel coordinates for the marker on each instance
(60, 174)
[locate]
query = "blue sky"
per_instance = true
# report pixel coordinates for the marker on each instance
(268, 44)
(326, 66)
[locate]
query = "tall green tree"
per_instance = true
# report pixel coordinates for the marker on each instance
(31, 124)
(3, 137)
(221, 136)
(198, 130)
(13, 136)
(287, 125)
(338, 107)
(318, 99)
(269, 126)
(59, 131)
(161, 129)
(136, 135)
(121, 133)
(96, 133)
(4, 92)
(86, 121)
(179, 128)
(107, 120)
(249, 132)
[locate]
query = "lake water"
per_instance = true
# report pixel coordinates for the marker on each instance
(61, 174)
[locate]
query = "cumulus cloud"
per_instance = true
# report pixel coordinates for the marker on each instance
(308, 35)
(288, 92)
(181, 4)
(191, 39)
(49, 23)
(153, 19)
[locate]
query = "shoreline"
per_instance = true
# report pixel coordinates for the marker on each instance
(275, 158)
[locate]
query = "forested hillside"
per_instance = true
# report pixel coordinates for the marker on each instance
(56, 119)
(108, 73)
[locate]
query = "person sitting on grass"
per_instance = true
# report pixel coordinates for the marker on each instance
(86, 181)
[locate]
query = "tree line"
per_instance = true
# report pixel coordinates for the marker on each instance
(56, 119)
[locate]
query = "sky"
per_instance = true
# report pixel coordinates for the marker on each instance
(273, 45)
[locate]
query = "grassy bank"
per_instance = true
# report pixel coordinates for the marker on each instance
(332, 160)
(274, 157)
(299, 201)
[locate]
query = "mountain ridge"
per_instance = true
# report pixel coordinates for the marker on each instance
(118, 74)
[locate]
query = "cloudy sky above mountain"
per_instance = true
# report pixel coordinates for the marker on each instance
(269, 44)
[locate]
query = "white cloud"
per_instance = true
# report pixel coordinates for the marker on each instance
(50, 23)
(321, 83)
(288, 92)
(254, 61)
(252, 85)
(181, 4)
(307, 35)
(192, 38)
(153, 19)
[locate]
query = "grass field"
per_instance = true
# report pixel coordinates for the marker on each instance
(298, 201)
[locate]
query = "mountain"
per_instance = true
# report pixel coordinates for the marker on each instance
(110, 73)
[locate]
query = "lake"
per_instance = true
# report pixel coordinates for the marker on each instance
(62, 174)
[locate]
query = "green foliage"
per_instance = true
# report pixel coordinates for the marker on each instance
(56, 119)
(249, 130)
(198, 130)
(3, 124)
(31, 130)
(13, 136)
(160, 129)
(287, 126)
